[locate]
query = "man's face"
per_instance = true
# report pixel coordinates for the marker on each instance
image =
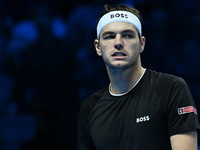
(119, 45)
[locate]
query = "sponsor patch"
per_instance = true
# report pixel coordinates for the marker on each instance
(186, 110)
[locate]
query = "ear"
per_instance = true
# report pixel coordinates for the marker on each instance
(97, 47)
(142, 44)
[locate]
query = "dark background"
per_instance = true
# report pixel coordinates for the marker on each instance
(48, 64)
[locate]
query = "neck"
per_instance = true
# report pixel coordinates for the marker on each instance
(122, 80)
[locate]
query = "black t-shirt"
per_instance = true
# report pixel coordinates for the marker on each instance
(159, 106)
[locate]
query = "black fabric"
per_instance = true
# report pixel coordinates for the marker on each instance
(143, 119)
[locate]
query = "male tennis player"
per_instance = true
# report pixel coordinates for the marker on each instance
(140, 109)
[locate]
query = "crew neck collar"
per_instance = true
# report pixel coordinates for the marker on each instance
(129, 89)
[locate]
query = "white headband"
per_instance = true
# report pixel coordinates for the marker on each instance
(119, 16)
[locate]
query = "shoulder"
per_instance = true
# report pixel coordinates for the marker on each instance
(167, 86)
(159, 79)
(88, 104)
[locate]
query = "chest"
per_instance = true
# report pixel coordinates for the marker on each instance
(128, 121)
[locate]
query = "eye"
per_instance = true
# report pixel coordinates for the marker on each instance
(128, 36)
(109, 36)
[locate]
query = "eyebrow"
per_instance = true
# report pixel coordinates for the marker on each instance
(108, 32)
(122, 32)
(128, 31)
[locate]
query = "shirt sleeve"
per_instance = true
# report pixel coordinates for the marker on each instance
(84, 140)
(181, 109)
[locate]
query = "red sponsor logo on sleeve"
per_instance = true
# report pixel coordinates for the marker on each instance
(186, 110)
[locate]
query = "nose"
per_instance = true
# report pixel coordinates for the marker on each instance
(118, 46)
(118, 43)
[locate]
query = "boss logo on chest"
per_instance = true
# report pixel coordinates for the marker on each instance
(118, 15)
(142, 119)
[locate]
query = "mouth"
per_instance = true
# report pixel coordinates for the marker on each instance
(118, 54)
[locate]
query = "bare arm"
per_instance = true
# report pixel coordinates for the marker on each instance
(185, 141)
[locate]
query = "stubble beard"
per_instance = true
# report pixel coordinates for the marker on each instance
(120, 67)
